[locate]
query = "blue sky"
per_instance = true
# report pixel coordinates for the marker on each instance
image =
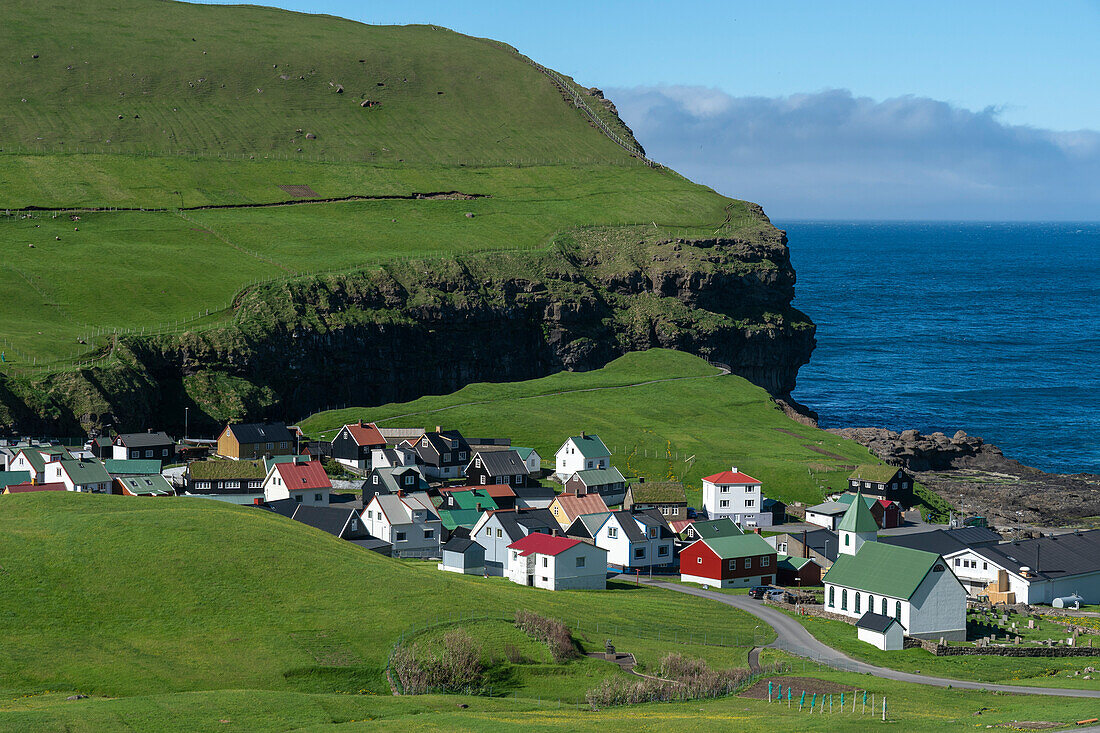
(881, 109)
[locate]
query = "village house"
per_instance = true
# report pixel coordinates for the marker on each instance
(503, 496)
(396, 457)
(304, 481)
(30, 488)
(531, 459)
(463, 509)
(884, 632)
(442, 454)
(567, 507)
(497, 467)
(132, 467)
(408, 479)
(355, 444)
(883, 482)
(33, 460)
(83, 476)
(409, 522)
(819, 545)
(827, 514)
(237, 482)
(150, 485)
(609, 483)
(914, 587)
(887, 513)
(800, 572)
(252, 441)
(708, 528)
(667, 497)
(339, 521)
(741, 561)
(950, 544)
(556, 563)
(735, 495)
(581, 453)
(463, 555)
(9, 478)
(634, 541)
(496, 530)
(148, 445)
(534, 496)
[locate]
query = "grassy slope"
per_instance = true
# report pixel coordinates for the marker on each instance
(723, 420)
(149, 597)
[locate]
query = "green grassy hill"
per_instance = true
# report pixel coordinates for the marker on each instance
(663, 414)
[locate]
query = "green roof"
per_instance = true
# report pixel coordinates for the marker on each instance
(658, 492)
(7, 478)
(724, 527)
(470, 499)
(86, 472)
(591, 446)
(600, 476)
(740, 546)
(272, 460)
(877, 474)
(846, 499)
(147, 484)
(524, 453)
(792, 563)
(214, 469)
(452, 518)
(132, 466)
(887, 570)
(858, 518)
(35, 459)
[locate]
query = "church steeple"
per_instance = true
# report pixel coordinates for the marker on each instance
(857, 526)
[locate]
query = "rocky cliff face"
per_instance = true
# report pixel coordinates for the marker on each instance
(431, 327)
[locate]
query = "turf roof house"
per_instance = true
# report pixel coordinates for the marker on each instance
(581, 453)
(147, 445)
(251, 441)
(497, 467)
(556, 563)
(496, 530)
(883, 482)
(409, 522)
(567, 507)
(355, 444)
(735, 495)
(741, 561)
(442, 454)
(634, 541)
(83, 476)
(304, 481)
(915, 587)
(237, 482)
(667, 497)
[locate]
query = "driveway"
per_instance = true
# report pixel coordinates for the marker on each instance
(792, 637)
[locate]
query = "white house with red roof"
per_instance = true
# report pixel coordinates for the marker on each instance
(735, 495)
(556, 563)
(354, 444)
(304, 481)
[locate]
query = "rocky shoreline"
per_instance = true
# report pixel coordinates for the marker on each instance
(977, 477)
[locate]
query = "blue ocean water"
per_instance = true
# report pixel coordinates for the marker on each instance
(992, 328)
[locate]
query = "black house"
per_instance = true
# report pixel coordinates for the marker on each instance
(883, 482)
(352, 446)
(443, 453)
(147, 445)
(500, 467)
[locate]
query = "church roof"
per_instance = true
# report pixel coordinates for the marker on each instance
(886, 570)
(858, 518)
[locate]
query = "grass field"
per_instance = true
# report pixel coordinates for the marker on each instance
(718, 420)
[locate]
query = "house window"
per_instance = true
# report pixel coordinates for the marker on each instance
(488, 531)
(748, 563)
(725, 489)
(724, 503)
(765, 561)
(429, 534)
(985, 566)
(884, 608)
(515, 554)
(844, 599)
(399, 536)
(897, 610)
(750, 502)
(847, 539)
(662, 551)
(781, 547)
(317, 497)
(370, 514)
(410, 480)
(149, 453)
(871, 604)
(590, 464)
(499, 534)
(255, 484)
(298, 498)
(957, 562)
(666, 510)
(500, 480)
(283, 444)
(857, 601)
(832, 597)
(446, 457)
(545, 562)
(164, 452)
(613, 532)
(580, 562)
(202, 484)
(232, 484)
(270, 445)
(732, 564)
(462, 455)
(652, 532)
(354, 525)
(135, 454)
(477, 462)
(905, 484)
(699, 560)
(639, 553)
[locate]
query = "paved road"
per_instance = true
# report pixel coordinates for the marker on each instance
(793, 637)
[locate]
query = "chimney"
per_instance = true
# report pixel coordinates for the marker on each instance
(400, 493)
(641, 479)
(479, 506)
(583, 435)
(756, 530)
(439, 428)
(149, 430)
(733, 469)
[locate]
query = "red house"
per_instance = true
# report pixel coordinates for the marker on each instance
(740, 561)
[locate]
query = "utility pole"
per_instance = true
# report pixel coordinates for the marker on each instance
(186, 415)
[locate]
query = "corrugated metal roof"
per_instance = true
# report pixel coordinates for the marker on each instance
(858, 518)
(740, 546)
(883, 569)
(542, 544)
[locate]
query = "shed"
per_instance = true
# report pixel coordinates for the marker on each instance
(463, 555)
(797, 571)
(881, 631)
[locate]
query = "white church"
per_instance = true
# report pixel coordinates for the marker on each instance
(914, 587)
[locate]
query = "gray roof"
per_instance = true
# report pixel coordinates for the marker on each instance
(972, 536)
(399, 509)
(141, 440)
(501, 462)
(153, 484)
(325, 518)
(875, 622)
(258, 432)
(586, 525)
(1050, 558)
(388, 483)
(829, 508)
(460, 544)
(936, 541)
(520, 523)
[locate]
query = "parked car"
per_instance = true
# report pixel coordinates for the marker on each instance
(775, 594)
(759, 591)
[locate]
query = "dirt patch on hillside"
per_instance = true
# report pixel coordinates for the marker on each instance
(300, 192)
(809, 685)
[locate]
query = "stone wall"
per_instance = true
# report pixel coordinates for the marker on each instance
(943, 650)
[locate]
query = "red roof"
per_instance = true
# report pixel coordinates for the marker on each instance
(731, 477)
(496, 491)
(574, 505)
(24, 488)
(366, 434)
(299, 476)
(543, 544)
(885, 503)
(679, 525)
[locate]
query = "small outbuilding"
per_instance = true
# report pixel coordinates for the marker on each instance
(797, 571)
(463, 555)
(881, 631)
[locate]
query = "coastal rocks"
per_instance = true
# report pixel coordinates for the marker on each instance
(936, 452)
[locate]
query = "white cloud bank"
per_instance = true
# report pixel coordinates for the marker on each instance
(832, 155)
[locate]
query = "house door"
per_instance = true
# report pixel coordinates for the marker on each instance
(531, 580)
(765, 580)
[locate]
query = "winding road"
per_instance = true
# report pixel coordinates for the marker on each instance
(792, 637)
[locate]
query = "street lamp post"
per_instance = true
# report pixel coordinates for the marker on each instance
(186, 416)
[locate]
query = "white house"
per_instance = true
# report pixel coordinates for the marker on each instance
(396, 457)
(827, 515)
(581, 453)
(304, 481)
(633, 541)
(1038, 570)
(884, 632)
(84, 476)
(496, 530)
(915, 587)
(531, 457)
(33, 460)
(409, 522)
(735, 495)
(556, 563)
